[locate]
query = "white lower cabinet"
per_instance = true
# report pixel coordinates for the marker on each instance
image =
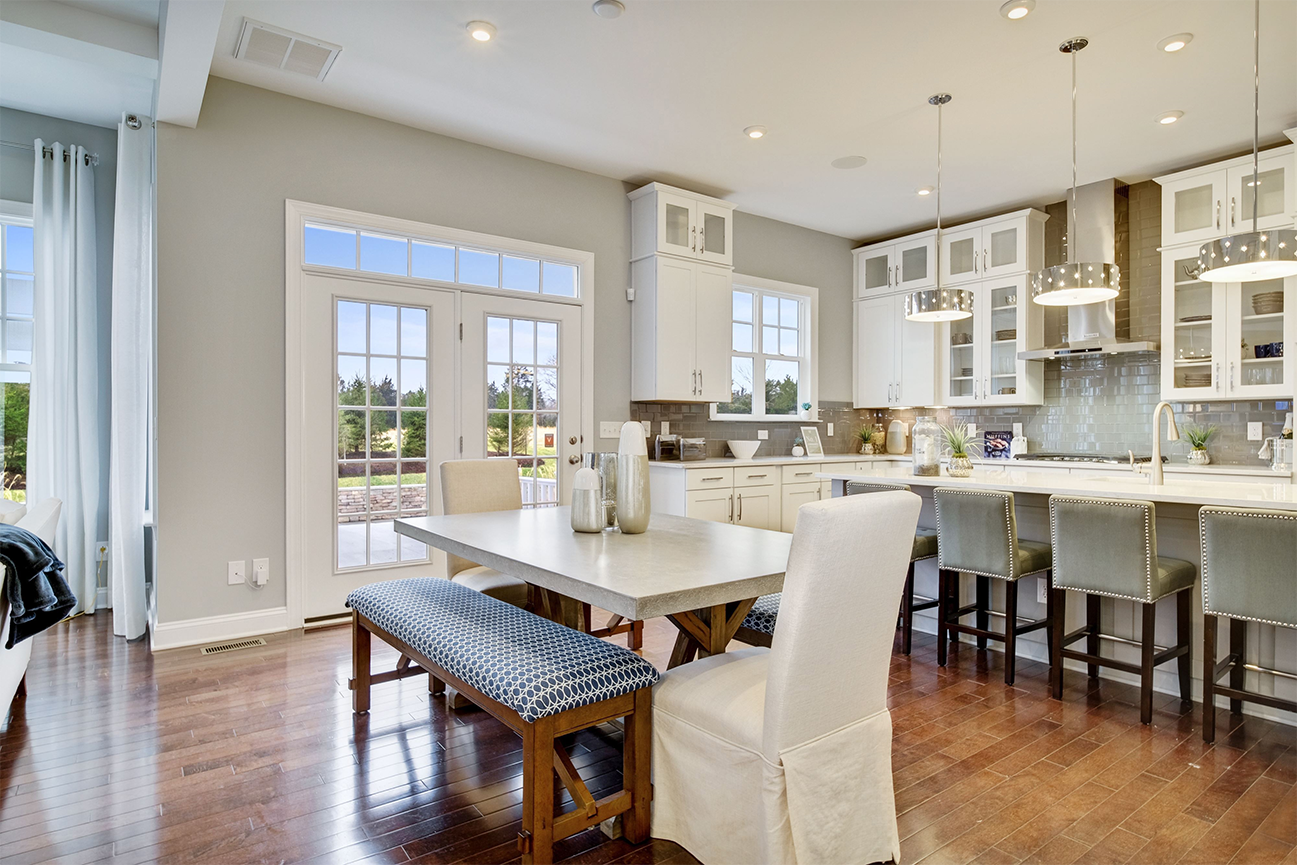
(794, 496)
(757, 507)
(716, 505)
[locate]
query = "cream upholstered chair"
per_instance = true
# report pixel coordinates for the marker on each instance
(785, 754)
(478, 486)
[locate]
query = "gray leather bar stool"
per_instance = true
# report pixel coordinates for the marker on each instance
(1108, 548)
(977, 533)
(1247, 576)
(925, 547)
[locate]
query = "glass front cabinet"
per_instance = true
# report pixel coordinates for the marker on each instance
(907, 264)
(1205, 203)
(980, 364)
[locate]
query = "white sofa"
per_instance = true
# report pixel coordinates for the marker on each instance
(40, 521)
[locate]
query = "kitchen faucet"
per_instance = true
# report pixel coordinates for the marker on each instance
(1172, 434)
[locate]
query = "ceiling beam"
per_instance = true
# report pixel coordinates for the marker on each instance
(187, 35)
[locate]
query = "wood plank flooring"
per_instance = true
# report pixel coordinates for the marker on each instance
(254, 756)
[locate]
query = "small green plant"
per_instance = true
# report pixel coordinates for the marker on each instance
(960, 442)
(1198, 436)
(864, 434)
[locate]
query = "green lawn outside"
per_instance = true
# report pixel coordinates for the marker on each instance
(411, 480)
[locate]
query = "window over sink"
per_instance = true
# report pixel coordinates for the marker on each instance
(772, 348)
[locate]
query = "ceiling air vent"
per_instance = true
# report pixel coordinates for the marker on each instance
(283, 49)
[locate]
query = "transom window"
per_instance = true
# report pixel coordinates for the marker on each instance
(349, 249)
(522, 402)
(17, 276)
(770, 344)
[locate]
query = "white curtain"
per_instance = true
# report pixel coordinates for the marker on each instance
(63, 430)
(131, 361)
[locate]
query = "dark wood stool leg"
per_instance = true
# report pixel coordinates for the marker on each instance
(1146, 664)
(907, 611)
(537, 837)
(1058, 615)
(1092, 630)
(943, 605)
(1049, 615)
(637, 742)
(1010, 630)
(1184, 640)
(1208, 678)
(983, 604)
(1237, 648)
(359, 665)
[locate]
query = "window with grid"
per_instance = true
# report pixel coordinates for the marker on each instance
(17, 277)
(349, 249)
(522, 402)
(770, 355)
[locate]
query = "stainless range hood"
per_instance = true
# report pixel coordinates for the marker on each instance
(1092, 328)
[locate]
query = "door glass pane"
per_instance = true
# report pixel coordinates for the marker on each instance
(1261, 350)
(1004, 247)
(876, 271)
(677, 225)
(381, 254)
(1193, 326)
(961, 255)
(781, 386)
(432, 261)
(714, 233)
(374, 439)
(522, 421)
(1194, 208)
(914, 264)
(1270, 201)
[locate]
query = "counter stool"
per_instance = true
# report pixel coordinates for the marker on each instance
(977, 533)
(1108, 548)
(925, 547)
(1247, 576)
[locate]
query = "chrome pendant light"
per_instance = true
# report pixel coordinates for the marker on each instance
(1075, 283)
(1252, 255)
(939, 304)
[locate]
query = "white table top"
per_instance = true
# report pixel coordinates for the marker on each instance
(678, 564)
(1176, 490)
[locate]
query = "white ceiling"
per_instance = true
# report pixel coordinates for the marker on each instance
(664, 92)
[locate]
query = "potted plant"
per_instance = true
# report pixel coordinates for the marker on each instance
(962, 447)
(865, 435)
(806, 411)
(1198, 436)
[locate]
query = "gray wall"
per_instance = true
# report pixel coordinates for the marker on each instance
(221, 191)
(17, 171)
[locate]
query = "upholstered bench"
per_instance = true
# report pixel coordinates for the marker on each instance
(539, 678)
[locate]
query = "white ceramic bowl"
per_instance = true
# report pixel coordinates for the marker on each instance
(744, 450)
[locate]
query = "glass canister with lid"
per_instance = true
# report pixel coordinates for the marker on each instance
(925, 445)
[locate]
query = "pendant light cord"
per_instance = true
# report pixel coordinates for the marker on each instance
(1256, 106)
(938, 244)
(1071, 252)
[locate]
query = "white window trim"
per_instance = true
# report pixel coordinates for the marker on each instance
(809, 326)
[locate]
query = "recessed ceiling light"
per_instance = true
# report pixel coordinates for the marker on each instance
(1174, 43)
(924, 190)
(1015, 9)
(848, 162)
(482, 31)
(1169, 117)
(609, 8)
(755, 132)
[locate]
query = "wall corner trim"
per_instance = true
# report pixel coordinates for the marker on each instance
(192, 632)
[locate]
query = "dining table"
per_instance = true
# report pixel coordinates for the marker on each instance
(701, 575)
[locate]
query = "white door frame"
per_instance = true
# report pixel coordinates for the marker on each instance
(296, 215)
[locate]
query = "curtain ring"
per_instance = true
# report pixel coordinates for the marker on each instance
(133, 122)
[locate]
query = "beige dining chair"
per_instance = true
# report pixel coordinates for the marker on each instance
(479, 486)
(785, 754)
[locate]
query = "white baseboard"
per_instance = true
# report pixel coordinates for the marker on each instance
(103, 600)
(213, 629)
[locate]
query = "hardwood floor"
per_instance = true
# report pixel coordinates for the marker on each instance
(254, 756)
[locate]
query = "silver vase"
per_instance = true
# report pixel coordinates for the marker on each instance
(959, 467)
(605, 464)
(587, 511)
(632, 493)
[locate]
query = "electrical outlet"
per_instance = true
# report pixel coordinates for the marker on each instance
(609, 429)
(1254, 431)
(972, 429)
(238, 573)
(666, 427)
(1042, 596)
(763, 435)
(260, 572)
(101, 551)
(1017, 430)
(830, 429)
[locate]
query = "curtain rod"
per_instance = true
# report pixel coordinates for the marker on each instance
(91, 158)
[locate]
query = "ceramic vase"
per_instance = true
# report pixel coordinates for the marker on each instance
(959, 466)
(1199, 457)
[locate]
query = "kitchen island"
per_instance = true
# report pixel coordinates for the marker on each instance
(1177, 502)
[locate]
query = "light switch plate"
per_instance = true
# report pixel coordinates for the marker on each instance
(609, 429)
(237, 573)
(763, 435)
(1017, 430)
(830, 429)
(1254, 431)
(972, 429)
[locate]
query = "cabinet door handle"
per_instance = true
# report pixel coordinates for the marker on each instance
(731, 517)
(705, 480)
(695, 382)
(740, 507)
(889, 275)
(1231, 210)
(898, 274)
(693, 234)
(1218, 214)
(976, 388)
(976, 269)
(800, 474)
(750, 477)
(986, 260)
(700, 381)
(702, 241)
(1231, 375)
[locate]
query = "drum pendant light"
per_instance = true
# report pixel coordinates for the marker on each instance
(1253, 255)
(939, 304)
(1075, 283)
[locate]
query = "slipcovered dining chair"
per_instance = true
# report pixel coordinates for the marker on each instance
(784, 754)
(480, 486)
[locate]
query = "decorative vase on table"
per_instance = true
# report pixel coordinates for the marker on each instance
(924, 447)
(1198, 436)
(632, 480)
(867, 448)
(961, 445)
(959, 466)
(1199, 457)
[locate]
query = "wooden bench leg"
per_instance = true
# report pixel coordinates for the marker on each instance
(635, 638)
(435, 685)
(536, 841)
(637, 742)
(359, 666)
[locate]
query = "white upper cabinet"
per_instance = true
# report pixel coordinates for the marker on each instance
(1205, 203)
(895, 358)
(993, 247)
(904, 265)
(670, 221)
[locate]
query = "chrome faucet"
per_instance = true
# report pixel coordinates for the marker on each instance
(1172, 434)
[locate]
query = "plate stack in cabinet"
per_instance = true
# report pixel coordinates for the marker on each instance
(972, 361)
(682, 256)
(1226, 341)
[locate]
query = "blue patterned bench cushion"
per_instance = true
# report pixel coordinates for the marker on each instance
(761, 618)
(534, 666)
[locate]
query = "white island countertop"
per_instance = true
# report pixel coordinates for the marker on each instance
(1176, 490)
